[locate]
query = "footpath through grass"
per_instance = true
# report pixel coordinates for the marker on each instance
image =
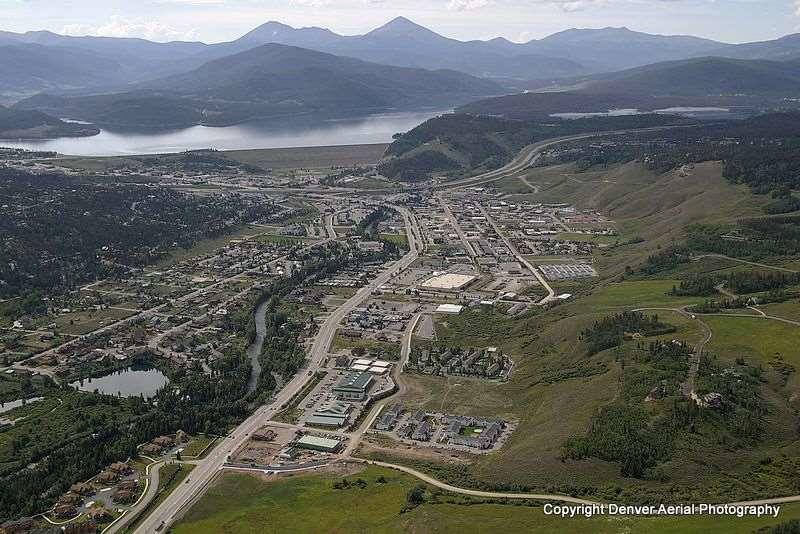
(241, 503)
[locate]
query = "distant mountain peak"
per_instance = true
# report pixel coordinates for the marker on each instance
(272, 30)
(402, 27)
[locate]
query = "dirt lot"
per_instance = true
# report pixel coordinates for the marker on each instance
(263, 452)
(379, 444)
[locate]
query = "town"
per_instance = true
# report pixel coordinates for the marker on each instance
(405, 264)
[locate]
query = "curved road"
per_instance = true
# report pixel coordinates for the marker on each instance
(753, 263)
(687, 388)
(182, 497)
(477, 493)
(531, 153)
(149, 494)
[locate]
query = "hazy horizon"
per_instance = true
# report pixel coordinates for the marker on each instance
(212, 21)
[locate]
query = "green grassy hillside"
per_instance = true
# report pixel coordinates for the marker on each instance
(241, 503)
(558, 390)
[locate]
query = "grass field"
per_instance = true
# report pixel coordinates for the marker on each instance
(788, 310)
(401, 240)
(82, 322)
(759, 339)
(589, 238)
(199, 445)
(243, 503)
(309, 157)
(170, 477)
(284, 239)
(637, 294)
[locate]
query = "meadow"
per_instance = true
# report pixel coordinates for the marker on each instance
(242, 503)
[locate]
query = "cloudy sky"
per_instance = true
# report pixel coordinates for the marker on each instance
(518, 20)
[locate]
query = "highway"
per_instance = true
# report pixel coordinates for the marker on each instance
(182, 497)
(531, 153)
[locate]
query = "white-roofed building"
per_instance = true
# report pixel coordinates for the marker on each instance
(453, 309)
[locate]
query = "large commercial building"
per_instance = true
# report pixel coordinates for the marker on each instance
(333, 415)
(315, 443)
(447, 281)
(452, 309)
(353, 386)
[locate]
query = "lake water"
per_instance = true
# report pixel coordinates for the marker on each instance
(138, 379)
(609, 113)
(373, 129)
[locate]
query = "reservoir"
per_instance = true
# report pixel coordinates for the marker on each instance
(366, 130)
(138, 379)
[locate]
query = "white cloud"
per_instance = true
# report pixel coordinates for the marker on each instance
(311, 3)
(122, 27)
(467, 5)
(797, 7)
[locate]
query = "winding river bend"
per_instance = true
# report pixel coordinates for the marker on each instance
(254, 350)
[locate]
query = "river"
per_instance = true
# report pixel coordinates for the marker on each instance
(254, 350)
(372, 129)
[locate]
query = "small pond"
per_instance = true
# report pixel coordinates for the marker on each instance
(138, 379)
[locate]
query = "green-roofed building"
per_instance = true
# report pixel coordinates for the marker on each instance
(353, 386)
(316, 443)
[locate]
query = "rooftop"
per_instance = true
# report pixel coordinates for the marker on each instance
(316, 441)
(358, 380)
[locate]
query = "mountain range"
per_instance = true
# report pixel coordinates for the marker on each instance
(270, 82)
(277, 71)
(741, 84)
(105, 62)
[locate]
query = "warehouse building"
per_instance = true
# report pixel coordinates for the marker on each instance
(333, 415)
(316, 443)
(448, 281)
(353, 386)
(452, 309)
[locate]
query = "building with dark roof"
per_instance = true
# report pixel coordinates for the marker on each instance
(389, 417)
(334, 414)
(353, 386)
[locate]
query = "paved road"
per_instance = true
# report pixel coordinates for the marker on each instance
(477, 493)
(141, 504)
(531, 153)
(182, 497)
(534, 188)
(551, 294)
(538, 496)
(761, 315)
(454, 222)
